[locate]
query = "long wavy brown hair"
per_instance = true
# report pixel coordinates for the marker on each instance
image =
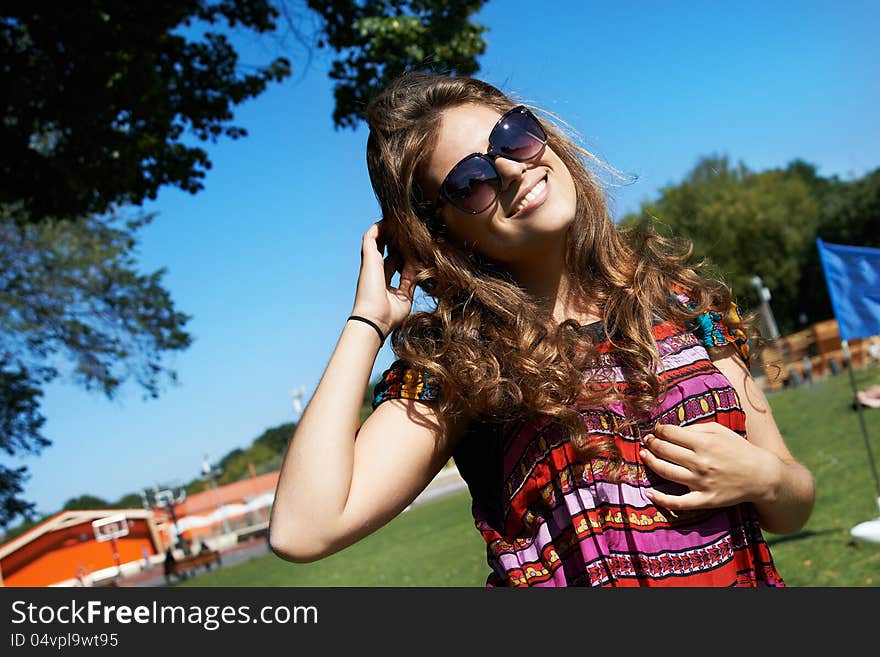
(490, 347)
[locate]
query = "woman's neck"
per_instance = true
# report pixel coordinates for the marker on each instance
(548, 282)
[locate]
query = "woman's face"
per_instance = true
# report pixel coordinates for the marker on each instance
(505, 232)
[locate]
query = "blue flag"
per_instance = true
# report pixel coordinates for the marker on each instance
(853, 277)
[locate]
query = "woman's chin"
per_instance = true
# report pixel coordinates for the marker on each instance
(551, 218)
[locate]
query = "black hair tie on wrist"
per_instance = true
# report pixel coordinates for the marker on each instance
(371, 323)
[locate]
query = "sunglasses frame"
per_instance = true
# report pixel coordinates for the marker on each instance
(490, 156)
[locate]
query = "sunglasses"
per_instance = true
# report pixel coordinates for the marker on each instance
(474, 184)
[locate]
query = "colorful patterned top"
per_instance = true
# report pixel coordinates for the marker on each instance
(550, 520)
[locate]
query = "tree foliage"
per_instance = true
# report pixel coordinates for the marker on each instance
(73, 304)
(86, 502)
(766, 223)
(100, 94)
(376, 40)
(276, 438)
(102, 99)
(20, 425)
(129, 501)
(849, 213)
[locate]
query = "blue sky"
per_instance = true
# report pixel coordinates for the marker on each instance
(266, 257)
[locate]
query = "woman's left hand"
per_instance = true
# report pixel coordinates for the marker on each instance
(720, 467)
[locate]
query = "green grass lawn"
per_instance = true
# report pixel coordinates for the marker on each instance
(823, 432)
(438, 545)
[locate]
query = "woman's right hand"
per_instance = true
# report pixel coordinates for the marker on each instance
(375, 299)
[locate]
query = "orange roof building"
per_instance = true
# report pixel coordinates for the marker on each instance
(63, 550)
(241, 504)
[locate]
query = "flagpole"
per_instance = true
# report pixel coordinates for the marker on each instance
(870, 529)
(852, 380)
(850, 273)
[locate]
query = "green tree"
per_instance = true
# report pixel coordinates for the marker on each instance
(26, 524)
(236, 467)
(100, 95)
(766, 223)
(376, 40)
(276, 438)
(231, 456)
(106, 102)
(745, 224)
(73, 303)
(849, 213)
(86, 502)
(102, 99)
(129, 501)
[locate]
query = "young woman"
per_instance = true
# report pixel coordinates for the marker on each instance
(592, 389)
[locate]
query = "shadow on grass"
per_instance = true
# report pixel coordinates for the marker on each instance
(777, 540)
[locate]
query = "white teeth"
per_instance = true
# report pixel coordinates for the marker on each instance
(533, 192)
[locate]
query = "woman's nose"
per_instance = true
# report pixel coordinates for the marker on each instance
(509, 170)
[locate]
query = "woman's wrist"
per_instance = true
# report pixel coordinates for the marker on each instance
(374, 317)
(366, 321)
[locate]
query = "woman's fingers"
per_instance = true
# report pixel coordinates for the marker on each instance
(370, 248)
(667, 469)
(670, 451)
(375, 294)
(407, 278)
(686, 502)
(688, 436)
(372, 233)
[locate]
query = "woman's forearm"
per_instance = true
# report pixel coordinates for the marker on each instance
(317, 471)
(784, 499)
(788, 504)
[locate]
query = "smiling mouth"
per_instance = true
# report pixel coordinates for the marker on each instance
(536, 196)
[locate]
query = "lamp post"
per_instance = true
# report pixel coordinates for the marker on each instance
(297, 395)
(765, 310)
(212, 474)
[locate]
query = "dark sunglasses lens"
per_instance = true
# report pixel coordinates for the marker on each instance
(472, 186)
(519, 137)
